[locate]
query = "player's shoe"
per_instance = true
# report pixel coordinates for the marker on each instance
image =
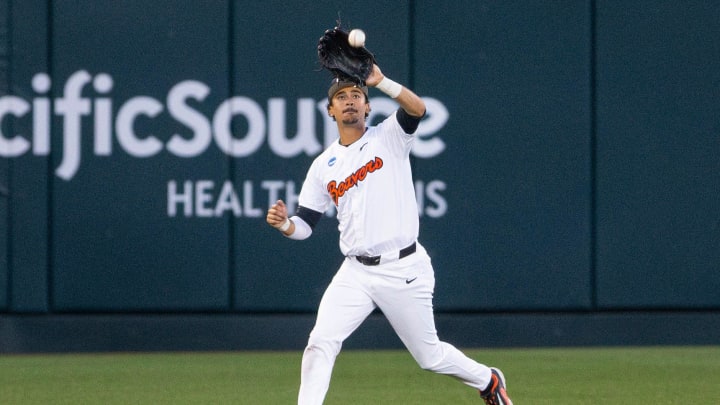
(495, 393)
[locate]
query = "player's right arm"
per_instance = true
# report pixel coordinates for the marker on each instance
(299, 227)
(277, 217)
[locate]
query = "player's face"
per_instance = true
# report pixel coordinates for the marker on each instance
(349, 106)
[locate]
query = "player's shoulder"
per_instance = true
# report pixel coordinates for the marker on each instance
(390, 127)
(325, 157)
(330, 150)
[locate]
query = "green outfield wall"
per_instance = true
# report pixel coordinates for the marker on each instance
(569, 162)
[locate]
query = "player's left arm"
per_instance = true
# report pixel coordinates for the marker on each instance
(406, 98)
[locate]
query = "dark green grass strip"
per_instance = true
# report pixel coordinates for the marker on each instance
(649, 375)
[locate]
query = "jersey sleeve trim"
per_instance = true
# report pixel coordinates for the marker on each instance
(407, 122)
(310, 216)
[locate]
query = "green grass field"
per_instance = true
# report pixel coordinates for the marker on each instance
(654, 375)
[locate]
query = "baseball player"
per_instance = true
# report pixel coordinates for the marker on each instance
(366, 175)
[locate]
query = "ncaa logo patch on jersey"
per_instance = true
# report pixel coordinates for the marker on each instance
(332, 161)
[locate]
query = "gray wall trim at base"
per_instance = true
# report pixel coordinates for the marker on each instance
(211, 332)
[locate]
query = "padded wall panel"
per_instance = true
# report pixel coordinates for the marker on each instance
(658, 143)
(133, 224)
(515, 78)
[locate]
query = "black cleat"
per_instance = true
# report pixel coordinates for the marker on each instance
(495, 393)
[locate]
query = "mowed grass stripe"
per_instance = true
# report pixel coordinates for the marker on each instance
(632, 375)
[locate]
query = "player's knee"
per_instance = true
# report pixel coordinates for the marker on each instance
(432, 367)
(326, 347)
(428, 362)
(429, 359)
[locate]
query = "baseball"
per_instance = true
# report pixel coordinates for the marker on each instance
(356, 38)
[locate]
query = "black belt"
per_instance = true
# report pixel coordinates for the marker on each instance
(375, 260)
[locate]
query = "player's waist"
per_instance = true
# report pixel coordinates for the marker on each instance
(386, 257)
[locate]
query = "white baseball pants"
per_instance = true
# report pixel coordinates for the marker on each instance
(403, 291)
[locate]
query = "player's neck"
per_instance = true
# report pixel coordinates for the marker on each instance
(350, 134)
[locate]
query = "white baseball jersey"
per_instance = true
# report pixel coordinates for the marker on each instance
(370, 183)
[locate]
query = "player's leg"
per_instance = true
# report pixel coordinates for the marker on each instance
(409, 309)
(344, 306)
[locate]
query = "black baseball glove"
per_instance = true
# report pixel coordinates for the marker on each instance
(343, 60)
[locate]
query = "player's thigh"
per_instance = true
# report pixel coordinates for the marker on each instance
(409, 310)
(344, 306)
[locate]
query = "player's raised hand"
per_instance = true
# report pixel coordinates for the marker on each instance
(376, 76)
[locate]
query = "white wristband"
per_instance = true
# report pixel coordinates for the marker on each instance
(389, 87)
(285, 226)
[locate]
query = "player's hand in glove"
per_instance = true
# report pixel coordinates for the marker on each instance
(343, 60)
(376, 76)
